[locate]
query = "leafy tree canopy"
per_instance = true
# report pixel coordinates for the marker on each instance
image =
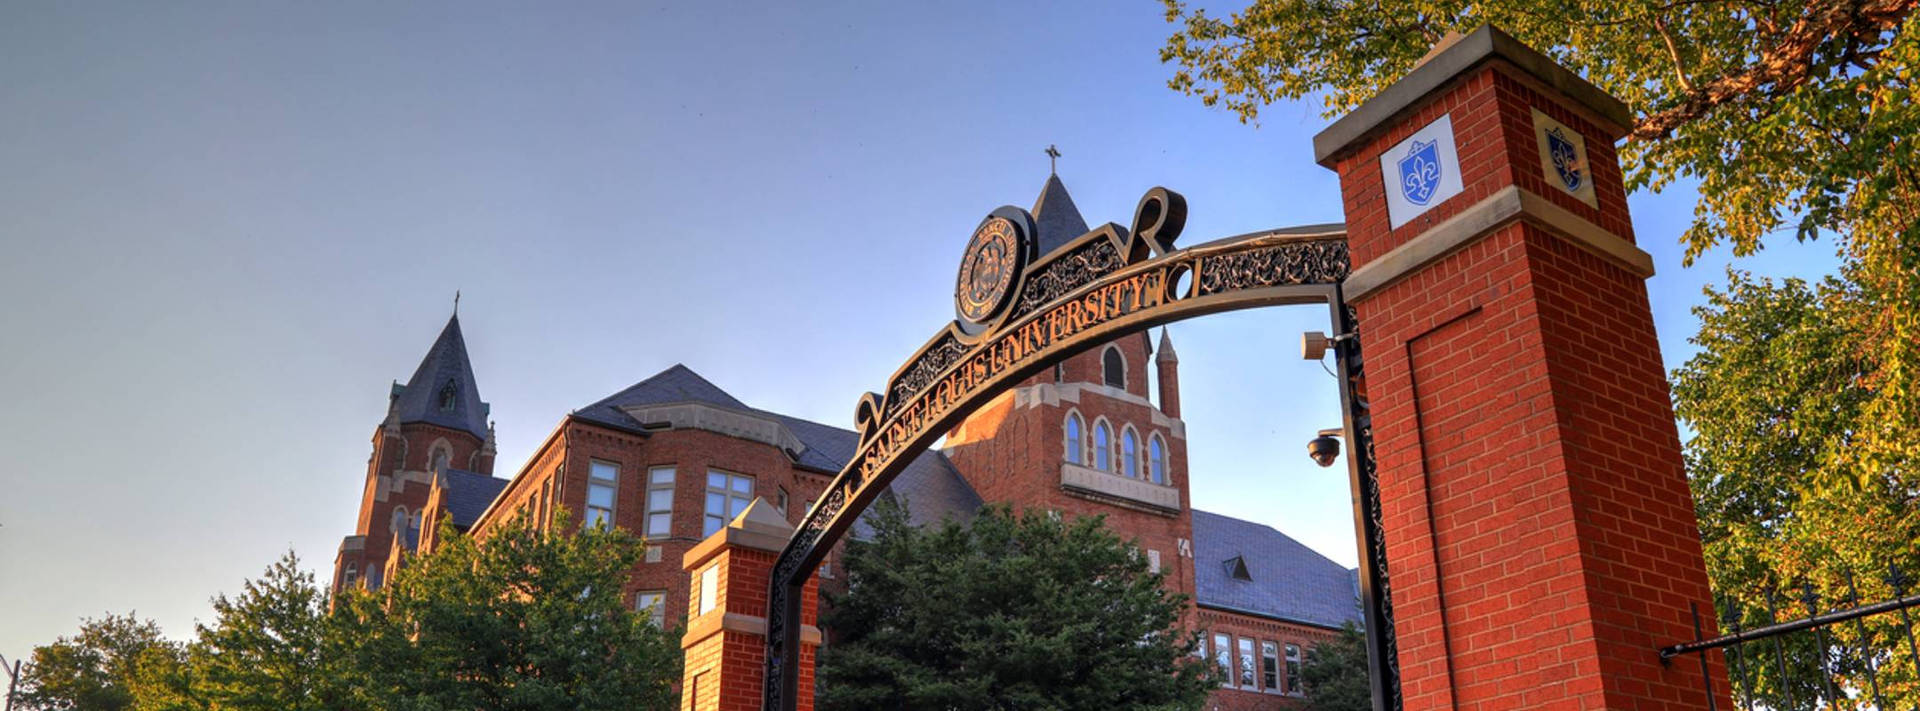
(1778, 400)
(1008, 612)
(94, 669)
(526, 620)
(1335, 673)
(1796, 116)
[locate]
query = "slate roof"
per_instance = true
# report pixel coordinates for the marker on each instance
(930, 484)
(469, 494)
(1290, 581)
(446, 363)
(1055, 219)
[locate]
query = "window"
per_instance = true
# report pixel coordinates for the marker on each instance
(1237, 568)
(1269, 666)
(449, 396)
(399, 522)
(1293, 669)
(659, 503)
(1223, 656)
(1200, 645)
(1076, 439)
(603, 479)
(780, 500)
(1129, 453)
(826, 566)
(439, 460)
(1102, 446)
(413, 530)
(1059, 372)
(1246, 664)
(1113, 368)
(350, 576)
(727, 495)
(652, 604)
(1157, 458)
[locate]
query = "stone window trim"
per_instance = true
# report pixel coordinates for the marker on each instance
(1074, 428)
(1157, 469)
(658, 524)
(1113, 366)
(1130, 458)
(1223, 657)
(603, 483)
(1293, 670)
(1270, 666)
(439, 456)
(1102, 445)
(653, 604)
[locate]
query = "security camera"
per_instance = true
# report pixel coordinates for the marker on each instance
(1325, 448)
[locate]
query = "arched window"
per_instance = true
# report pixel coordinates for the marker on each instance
(1129, 453)
(449, 395)
(439, 461)
(1157, 458)
(1102, 446)
(1113, 368)
(1076, 439)
(413, 530)
(399, 522)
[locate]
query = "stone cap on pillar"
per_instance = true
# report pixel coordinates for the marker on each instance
(759, 527)
(1454, 56)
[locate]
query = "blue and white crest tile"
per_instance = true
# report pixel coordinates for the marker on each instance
(1563, 158)
(1421, 172)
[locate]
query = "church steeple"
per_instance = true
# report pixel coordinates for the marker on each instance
(1055, 219)
(442, 390)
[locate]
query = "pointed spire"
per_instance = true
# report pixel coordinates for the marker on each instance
(1166, 349)
(1055, 218)
(442, 390)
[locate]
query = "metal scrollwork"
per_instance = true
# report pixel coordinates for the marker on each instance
(934, 361)
(1071, 271)
(1308, 262)
(1103, 285)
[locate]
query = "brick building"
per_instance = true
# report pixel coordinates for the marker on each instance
(675, 457)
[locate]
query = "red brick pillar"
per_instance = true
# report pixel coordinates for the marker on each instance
(726, 640)
(1540, 536)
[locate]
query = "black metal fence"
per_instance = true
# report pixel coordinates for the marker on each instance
(1832, 652)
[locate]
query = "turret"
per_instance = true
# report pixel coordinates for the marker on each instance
(1167, 365)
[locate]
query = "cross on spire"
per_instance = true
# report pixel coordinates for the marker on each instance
(456, 302)
(1053, 159)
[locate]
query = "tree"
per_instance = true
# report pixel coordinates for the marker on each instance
(265, 651)
(1778, 397)
(525, 620)
(1791, 115)
(1008, 612)
(95, 669)
(1335, 673)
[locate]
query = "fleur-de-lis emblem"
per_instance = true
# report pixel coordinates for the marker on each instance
(1420, 172)
(1566, 159)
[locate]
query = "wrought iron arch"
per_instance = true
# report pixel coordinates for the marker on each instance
(1021, 313)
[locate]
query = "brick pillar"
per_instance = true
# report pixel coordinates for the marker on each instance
(1540, 535)
(726, 639)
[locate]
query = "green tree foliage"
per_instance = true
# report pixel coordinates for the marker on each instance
(1796, 116)
(1335, 673)
(264, 651)
(526, 620)
(1778, 398)
(1009, 612)
(95, 669)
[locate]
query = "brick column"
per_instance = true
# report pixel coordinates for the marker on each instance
(1540, 535)
(725, 642)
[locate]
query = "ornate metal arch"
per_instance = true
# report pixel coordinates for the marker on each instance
(1021, 312)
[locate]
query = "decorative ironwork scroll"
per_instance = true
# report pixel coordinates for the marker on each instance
(1383, 647)
(1098, 287)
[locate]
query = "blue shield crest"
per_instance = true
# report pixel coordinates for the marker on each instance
(1566, 159)
(1420, 172)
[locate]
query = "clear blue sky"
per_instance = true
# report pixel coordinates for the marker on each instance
(225, 227)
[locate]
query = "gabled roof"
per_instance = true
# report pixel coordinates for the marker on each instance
(445, 368)
(930, 483)
(469, 494)
(1289, 580)
(1055, 219)
(676, 384)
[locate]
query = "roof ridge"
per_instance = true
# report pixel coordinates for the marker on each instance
(676, 367)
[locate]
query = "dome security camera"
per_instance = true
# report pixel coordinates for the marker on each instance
(1325, 448)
